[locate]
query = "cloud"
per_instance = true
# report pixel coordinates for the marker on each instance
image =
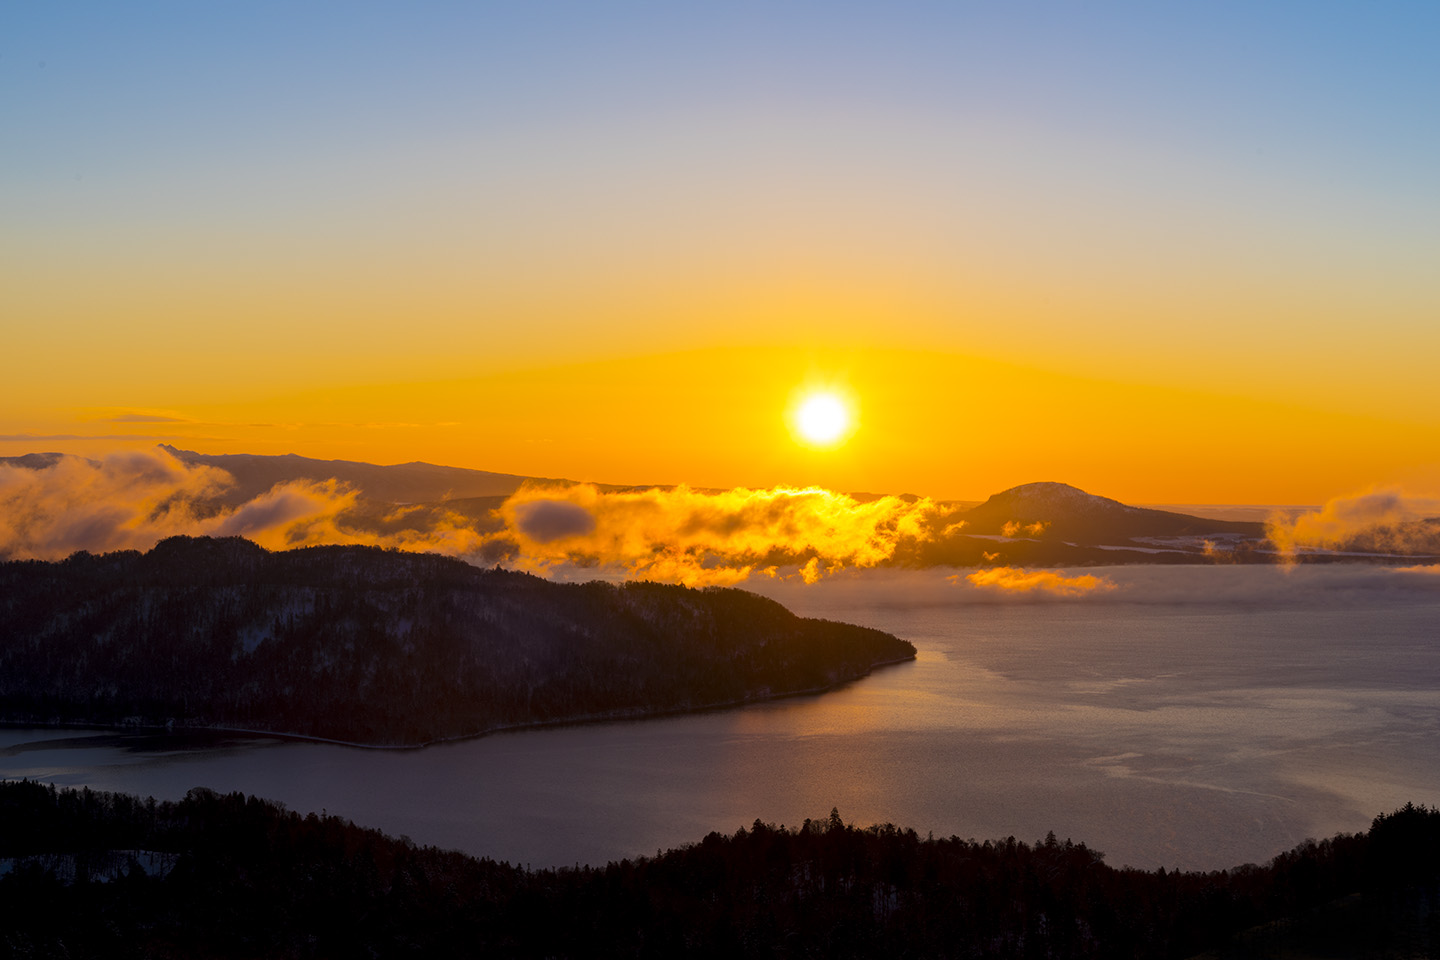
(1428, 569)
(1378, 521)
(706, 537)
(811, 572)
(1021, 580)
(802, 536)
(545, 521)
(296, 513)
(856, 595)
(1013, 528)
(127, 500)
(130, 501)
(133, 500)
(145, 418)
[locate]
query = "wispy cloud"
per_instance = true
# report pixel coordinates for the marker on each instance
(149, 437)
(127, 415)
(1382, 520)
(127, 500)
(1428, 569)
(146, 418)
(856, 594)
(1021, 580)
(1014, 528)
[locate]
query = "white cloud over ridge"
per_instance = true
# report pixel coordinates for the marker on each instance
(705, 537)
(132, 500)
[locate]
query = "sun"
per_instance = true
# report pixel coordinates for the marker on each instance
(822, 418)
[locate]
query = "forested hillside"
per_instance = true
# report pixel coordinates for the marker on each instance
(373, 646)
(85, 874)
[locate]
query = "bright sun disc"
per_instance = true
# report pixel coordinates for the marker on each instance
(822, 419)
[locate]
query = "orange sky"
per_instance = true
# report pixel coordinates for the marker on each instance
(937, 424)
(1164, 256)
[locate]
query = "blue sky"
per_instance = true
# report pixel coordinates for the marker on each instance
(1237, 197)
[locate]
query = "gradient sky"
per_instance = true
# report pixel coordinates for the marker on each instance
(1168, 253)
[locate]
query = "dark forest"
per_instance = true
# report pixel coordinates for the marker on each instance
(91, 874)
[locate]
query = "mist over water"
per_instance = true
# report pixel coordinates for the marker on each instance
(1193, 717)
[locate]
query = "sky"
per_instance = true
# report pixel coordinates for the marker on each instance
(1167, 253)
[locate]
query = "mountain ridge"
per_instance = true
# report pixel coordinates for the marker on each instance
(1069, 513)
(412, 482)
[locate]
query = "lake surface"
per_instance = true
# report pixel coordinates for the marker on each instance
(1192, 717)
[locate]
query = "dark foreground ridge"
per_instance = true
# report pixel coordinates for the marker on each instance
(86, 874)
(380, 647)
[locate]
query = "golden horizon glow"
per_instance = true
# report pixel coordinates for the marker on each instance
(936, 424)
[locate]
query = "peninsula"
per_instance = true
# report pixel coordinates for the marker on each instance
(386, 648)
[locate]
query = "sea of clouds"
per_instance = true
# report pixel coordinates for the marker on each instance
(132, 500)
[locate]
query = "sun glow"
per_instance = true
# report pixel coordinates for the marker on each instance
(822, 419)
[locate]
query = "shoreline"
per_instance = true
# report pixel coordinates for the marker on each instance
(586, 719)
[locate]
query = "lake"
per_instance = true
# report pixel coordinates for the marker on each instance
(1191, 717)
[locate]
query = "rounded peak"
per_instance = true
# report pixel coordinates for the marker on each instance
(1052, 496)
(1045, 488)
(1051, 492)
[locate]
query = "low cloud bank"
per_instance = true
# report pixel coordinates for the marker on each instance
(1378, 521)
(1021, 580)
(702, 537)
(856, 596)
(133, 500)
(126, 501)
(803, 535)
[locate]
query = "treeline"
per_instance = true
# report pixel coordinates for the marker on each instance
(242, 877)
(376, 646)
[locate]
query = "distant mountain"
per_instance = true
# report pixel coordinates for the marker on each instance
(254, 474)
(383, 647)
(33, 461)
(1069, 513)
(398, 483)
(1055, 524)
